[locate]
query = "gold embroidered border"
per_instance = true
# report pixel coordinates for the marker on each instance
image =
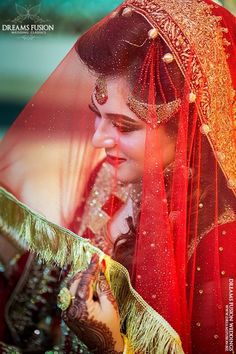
(194, 34)
(228, 216)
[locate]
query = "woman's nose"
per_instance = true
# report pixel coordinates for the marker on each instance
(104, 136)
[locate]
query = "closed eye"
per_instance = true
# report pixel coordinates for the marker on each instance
(121, 122)
(124, 128)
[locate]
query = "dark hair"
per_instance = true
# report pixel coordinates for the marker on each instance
(117, 46)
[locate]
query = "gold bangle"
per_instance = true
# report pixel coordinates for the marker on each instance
(128, 349)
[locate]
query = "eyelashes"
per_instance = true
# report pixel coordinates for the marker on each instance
(122, 127)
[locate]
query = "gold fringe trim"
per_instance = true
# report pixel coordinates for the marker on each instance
(148, 332)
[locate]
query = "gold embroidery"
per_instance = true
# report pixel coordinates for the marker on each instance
(227, 217)
(153, 114)
(188, 24)
(94, 217)
(101, 90)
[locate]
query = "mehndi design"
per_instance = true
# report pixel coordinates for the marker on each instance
(95, 334)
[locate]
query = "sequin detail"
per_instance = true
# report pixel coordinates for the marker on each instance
(96, 212)
(154, 115)
(101, 90)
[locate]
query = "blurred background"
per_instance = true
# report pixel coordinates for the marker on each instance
(26, 61)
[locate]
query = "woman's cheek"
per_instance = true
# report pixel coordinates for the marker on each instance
(133, 145)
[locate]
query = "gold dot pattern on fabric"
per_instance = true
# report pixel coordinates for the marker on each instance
(187, 24)
(226, 217)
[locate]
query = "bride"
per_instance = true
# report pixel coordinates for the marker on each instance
(135, 134)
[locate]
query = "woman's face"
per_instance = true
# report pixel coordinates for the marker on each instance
(122, 134)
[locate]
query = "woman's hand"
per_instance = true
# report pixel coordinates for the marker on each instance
(93, 314)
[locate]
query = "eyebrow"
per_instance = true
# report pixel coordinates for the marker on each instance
(125, 119)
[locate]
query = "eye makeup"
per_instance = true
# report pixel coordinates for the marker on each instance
(122, 122)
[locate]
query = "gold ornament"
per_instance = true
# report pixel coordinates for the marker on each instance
(192, 97)
(168, 58)
(153, 33)
(64, 299)
(101, 90)
(162, 112)
(231, 183)
(127, 12)
(205, 129)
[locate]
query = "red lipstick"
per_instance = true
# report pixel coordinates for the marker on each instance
(114, 160)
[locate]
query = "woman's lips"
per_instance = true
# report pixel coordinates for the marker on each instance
(114, 160)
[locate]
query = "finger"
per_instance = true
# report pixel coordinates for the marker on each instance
(85, 287)
(74, 279)
(105, 295)
(73, 283)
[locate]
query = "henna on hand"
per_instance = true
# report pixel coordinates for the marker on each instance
(105, 289)
(94, 333)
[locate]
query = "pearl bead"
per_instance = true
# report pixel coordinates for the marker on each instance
(127, 12)
(168, 58)
(192, 97)
(205, 129)
(153, 33)
(220, 155)
(231, 183)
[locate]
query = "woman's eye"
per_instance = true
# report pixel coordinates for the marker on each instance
(125, 128)
(122, 128)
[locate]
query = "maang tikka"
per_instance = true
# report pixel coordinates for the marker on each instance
(142, 110)
(101, 93)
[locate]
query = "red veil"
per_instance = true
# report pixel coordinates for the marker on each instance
(181, 257)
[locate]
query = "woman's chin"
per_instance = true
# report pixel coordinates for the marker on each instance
(126, 175)
(126, 172)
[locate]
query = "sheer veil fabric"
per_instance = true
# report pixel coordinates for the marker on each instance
(173, 61)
